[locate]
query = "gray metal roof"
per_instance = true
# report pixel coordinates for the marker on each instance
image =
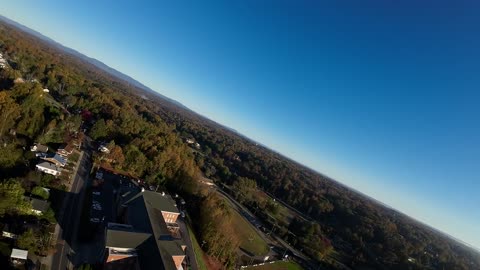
(125, 239)
(39, 205)
(19, 254)
(144, 214)
(48, 165)
(157, 201)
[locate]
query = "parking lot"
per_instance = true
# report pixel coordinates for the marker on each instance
(102, 209)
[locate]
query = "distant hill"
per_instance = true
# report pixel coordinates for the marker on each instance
(93, 61)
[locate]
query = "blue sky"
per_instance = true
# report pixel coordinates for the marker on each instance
(382, 96)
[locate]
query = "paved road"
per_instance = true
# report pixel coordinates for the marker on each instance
(69, 220)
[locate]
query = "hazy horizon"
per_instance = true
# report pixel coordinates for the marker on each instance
(411, 147)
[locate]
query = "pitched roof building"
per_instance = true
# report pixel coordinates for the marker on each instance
(66, 149)
(48, 167)
(55, 159)
(39, 148)
(38, 206)
(153, 214)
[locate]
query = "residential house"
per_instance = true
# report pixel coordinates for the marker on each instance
(39, 148)
(55, 159)
(77, 141)
(18, 256)
(49, 168)
(38, 206)
(66, 149)
(153, 214)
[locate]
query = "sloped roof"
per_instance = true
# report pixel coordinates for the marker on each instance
(40, 148)
(144, 214)
(39, 205)
(48, 165)
(157, 201)
(19, 254)
(55, 158)
(125, 239)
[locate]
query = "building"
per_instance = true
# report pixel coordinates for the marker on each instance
(39, 206)
(77, 141)
(122, 245)
(19, 256)
(146, 213)
(39, 148)
(56, 159)
(48, 167)
(66, 149)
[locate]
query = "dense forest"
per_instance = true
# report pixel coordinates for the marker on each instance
(146, 135)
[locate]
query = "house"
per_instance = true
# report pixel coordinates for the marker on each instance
(48, 167)
(39, 148)
(38, 206)
(19, 256)
(151, 219)
(9, 232)
(66, 149)
(77, 142)
(55, 159)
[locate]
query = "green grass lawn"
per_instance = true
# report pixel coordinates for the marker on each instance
(249, 238)
(278, 266)
(197, 250)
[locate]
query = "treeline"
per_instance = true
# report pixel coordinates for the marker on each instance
(140, 141)
(362, 232)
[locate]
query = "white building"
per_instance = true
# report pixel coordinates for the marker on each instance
(48, 167)
(19, 256)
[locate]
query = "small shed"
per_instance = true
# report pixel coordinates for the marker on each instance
(19, 255)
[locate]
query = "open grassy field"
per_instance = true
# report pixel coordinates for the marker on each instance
(284, 214)
(250, 240)
(278, 266)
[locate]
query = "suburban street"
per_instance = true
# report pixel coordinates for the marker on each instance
(67, 226)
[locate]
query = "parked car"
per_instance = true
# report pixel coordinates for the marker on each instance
(95, 220)
(96, 193)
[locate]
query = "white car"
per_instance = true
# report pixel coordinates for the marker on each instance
(96, 202)
(96, 193)
(95, 220)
